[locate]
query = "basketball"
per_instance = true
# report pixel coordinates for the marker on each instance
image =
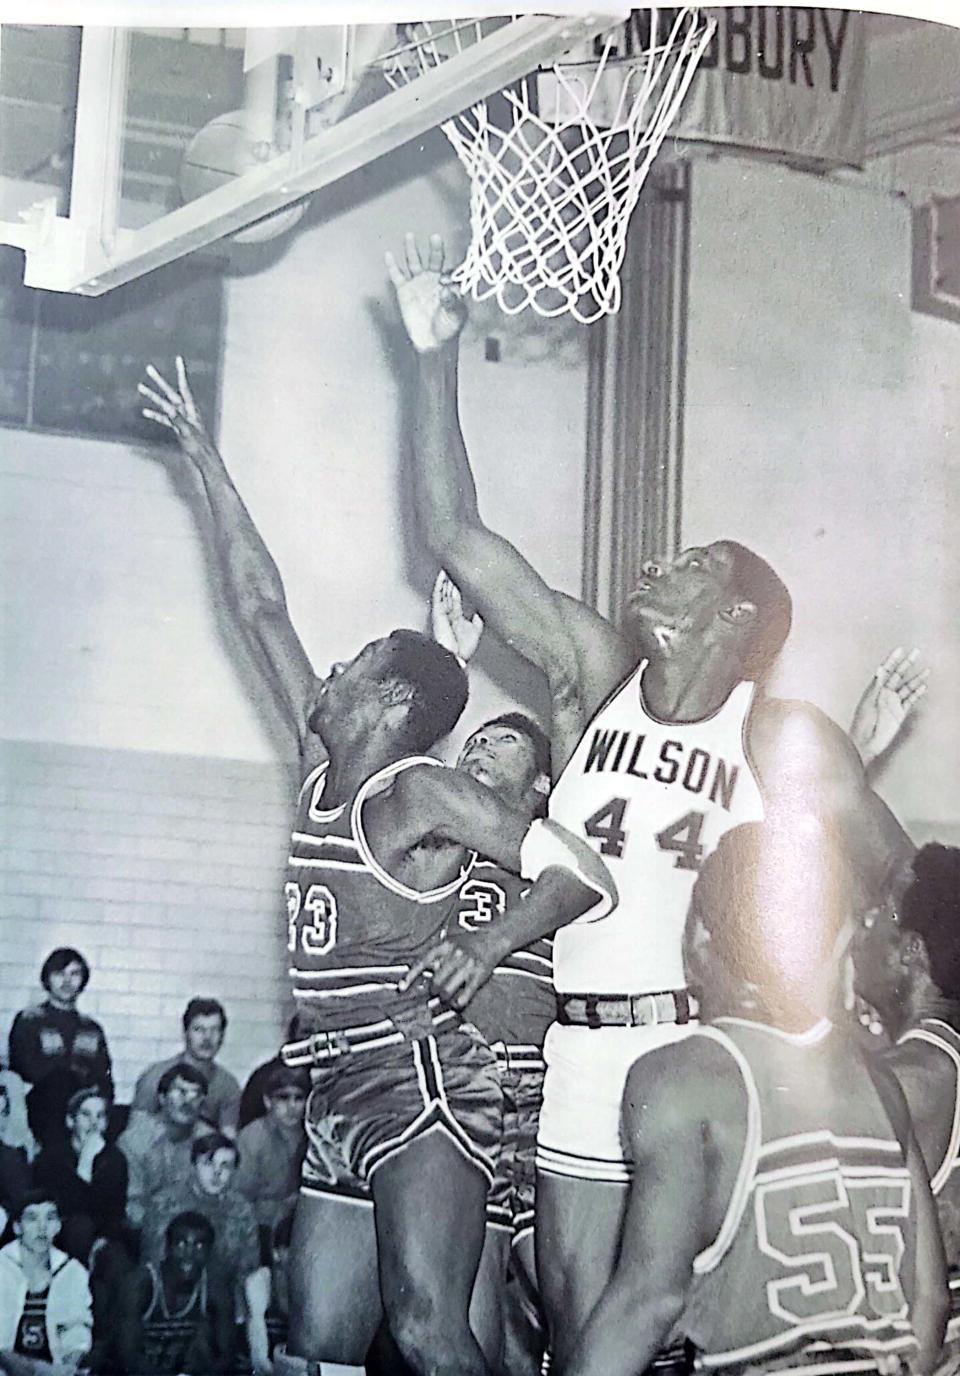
(224, 149)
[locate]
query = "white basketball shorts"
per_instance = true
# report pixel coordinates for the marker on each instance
(580, 1131)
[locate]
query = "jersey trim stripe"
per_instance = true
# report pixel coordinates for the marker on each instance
(925, 1033)
(386, 879)
(343, 971)
(811, 1037)
(315, 780)
(309, 839)
(711, 1256)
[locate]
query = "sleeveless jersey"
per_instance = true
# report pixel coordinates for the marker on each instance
(31, 1339)
(945, 1179)
(816, 1251)
(517, 1004)
(352, 929)
(167, 1338)
(654, 798)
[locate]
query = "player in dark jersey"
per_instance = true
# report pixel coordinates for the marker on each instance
(907, 966)
(178, 1315)
(784, 1219)
(406, 1099)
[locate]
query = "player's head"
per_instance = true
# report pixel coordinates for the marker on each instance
(721, 594)
(511, 755)
(65, 974)
(910, 944)
(771, 912)
(189, 1241)
(36, 1221)
(406, 680)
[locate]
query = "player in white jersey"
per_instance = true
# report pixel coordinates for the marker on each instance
(907, 966)
(780, 1218)
(700, 750)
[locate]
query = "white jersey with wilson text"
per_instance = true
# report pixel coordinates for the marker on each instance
(654, 798)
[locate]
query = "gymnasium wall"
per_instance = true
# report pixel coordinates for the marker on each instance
(820, 428)
(143, 753)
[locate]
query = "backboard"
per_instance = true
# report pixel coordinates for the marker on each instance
(122, 149)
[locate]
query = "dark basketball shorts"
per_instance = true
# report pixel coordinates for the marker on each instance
(510, 1203)
(366, 1107)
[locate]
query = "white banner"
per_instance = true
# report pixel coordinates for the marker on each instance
(783, 79)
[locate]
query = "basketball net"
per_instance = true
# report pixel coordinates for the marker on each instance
(556, 163)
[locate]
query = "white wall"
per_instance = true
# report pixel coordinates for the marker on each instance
(821, 429)
(110, 636)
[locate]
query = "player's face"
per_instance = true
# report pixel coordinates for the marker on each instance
(350, 682)
(38, 1226)
(678, 599)
(286, 1106)
(181, 1103)
(204, 1036)
(879, 972)
(90, 1117)
(189, 1250)
(64, 985)
(214, 1172)
(502, 758)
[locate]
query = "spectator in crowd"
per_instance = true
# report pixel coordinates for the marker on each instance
(278, 1311)
(53, 1034)
(210, 1189)
(272, 1148)
(157, 1145)
(86, 1175)
(45, 1312)
(15, 1174)
(14, 1127)
(177, 1315)
(204, 1026)
(251, 1100)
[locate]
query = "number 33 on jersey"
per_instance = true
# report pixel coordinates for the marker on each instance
(654, 798)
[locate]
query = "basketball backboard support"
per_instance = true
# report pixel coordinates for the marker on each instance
(323, 85)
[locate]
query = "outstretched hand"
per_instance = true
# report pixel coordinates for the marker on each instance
(432, 308)
(450, 626)
(887, 701)
(175, 409)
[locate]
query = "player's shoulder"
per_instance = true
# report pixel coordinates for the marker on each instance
(784, 732)
(682, 1084)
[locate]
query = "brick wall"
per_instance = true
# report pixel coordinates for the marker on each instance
(165, 871)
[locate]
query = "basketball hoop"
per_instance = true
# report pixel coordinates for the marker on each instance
(556, 163)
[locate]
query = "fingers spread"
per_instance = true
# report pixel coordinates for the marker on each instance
(162, 383)
(165, 406)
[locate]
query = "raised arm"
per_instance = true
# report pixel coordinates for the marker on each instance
(569, 642)
(886, 703)
(249, 577)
